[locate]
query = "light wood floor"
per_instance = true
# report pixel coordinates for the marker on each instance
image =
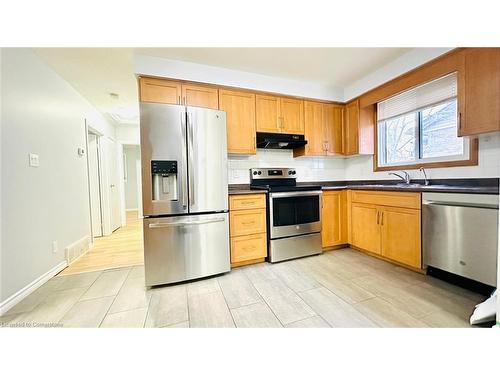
(123, 248)
(341, 288)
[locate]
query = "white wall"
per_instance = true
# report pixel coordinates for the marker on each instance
(128, 134)
(361, 167)
(403, 64)
(161, 67)
(132, 155)
(308, 168)
(43, 114)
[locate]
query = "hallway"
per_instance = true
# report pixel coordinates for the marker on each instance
(121, 249)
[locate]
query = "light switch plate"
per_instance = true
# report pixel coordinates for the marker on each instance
(34, 160)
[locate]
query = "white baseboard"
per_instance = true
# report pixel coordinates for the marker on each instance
(30, 288)
(77, 249)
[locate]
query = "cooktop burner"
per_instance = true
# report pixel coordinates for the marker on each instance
(277, 180)
(285, 188)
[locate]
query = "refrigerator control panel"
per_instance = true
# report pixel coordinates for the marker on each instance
(163, 166)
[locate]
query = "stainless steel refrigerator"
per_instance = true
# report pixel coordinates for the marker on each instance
(184, 192)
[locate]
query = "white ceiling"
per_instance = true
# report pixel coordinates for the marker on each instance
(336, 67)
(96, 72)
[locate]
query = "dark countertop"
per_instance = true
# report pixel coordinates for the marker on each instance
(469, 185)
(235, 189)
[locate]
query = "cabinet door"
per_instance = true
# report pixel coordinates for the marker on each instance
(365, 227)
(200, 96)
(334, 218)
(333, 115)
(401, 235)
(292, 116)
(351, 125)
(482, 92)
(267, 110)
(313, 128)
(159, 91)
(240, 120)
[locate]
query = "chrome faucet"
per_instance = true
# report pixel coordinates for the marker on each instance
(426, 181)
(406, 177)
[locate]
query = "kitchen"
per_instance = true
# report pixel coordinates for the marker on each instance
(267, 201)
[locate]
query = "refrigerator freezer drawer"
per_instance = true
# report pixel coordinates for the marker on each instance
(185, 247)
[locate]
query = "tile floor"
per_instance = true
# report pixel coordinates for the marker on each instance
(342, 288)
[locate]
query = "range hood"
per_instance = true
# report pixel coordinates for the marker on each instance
(280, 141)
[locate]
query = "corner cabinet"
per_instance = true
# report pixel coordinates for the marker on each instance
(334, 218)
(388, 224)
(276, 114)
(359, 129)
(482, 92)
(240, 120)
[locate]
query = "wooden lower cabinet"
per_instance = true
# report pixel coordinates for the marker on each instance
(248, 228)
(401, 235)
(334, 218)
(246, 248)
(247, 222)
(365, 228)
(391, 232)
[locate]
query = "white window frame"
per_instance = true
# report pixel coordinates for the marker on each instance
(381, 146)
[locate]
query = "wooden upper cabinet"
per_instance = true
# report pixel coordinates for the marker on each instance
(322, 129)
(333, 119)
(482, 92)
(334, 218)
(351, 128)
(159, 91)
(200, 96)
(313, 130)
(240, 120)
(267, 110)
(292, 116)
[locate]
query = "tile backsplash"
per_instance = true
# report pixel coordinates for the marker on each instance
(333, 168)
(308, 168)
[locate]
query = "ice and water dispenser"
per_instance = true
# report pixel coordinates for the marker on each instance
(164, 180)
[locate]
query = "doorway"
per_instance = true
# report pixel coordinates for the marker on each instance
(94, 181)
(132, 180)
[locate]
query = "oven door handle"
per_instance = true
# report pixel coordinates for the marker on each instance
(295, 194)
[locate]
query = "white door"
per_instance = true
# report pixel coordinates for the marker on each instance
(94, 184)
(113, 181)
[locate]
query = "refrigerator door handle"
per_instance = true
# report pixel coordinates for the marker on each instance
(184, 162)
(185, 223)
(190, 159)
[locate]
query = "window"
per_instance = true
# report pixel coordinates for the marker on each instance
(419, 126)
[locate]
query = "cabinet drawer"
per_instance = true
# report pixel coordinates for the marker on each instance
(247, 201)
(250, 247)
(247, 222)
(387, 198)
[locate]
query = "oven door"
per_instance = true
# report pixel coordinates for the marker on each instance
(294, 213)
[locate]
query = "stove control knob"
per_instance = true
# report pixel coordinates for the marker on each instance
(254, 173)
(260, 173)
(289, 172)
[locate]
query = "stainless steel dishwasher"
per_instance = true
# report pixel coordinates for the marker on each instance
(460, 234)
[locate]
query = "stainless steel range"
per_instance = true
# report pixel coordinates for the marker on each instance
(294, 213)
